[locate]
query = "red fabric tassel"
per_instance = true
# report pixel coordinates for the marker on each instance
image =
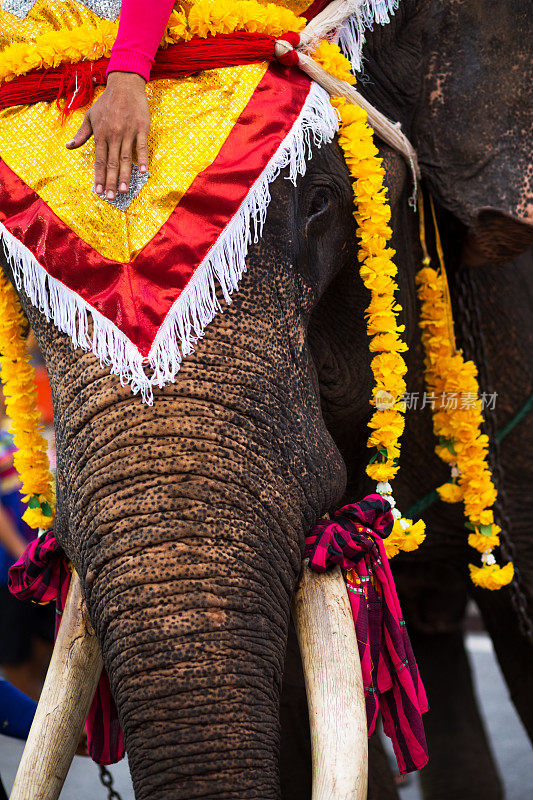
(72, 85)
(76, 87)
(223, 50)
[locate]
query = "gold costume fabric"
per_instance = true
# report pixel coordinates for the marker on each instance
(144, 266)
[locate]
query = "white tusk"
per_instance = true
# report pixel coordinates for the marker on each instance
(69, 687)
(335, 695)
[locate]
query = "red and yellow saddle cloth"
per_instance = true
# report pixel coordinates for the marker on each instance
(145, 267)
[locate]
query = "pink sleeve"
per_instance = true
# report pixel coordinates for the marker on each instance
(141, 28)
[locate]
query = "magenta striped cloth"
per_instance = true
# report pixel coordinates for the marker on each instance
(353, 539)
(42, 575)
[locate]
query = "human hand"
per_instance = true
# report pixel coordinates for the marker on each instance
(119, 120)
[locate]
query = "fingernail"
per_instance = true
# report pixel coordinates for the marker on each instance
(69, 144)
(123, 187)
(143, 167)
(99, 189)
(111, 195)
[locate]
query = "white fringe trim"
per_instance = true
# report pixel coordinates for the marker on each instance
(197, 305)
(70, 313)
(352, 34)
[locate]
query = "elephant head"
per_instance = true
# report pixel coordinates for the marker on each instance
(186, 520)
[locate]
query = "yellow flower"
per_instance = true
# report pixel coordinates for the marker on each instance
(482, 542)
(414, 535)
(407, 539)
(486, 517)
(328, 55)
(35, 518)
(388, 342)
(491, 576)
(450, 492)
(56, 47)
(388, 426)
(382, 304)
(382, 471)
(445, 454)
(385, 364)
(392, 545)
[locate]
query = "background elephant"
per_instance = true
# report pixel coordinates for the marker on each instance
(186, 520)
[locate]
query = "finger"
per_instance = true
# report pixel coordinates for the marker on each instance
(124, 176)
(100, 164)
(83, 135)
(113, 164)
(142, 152)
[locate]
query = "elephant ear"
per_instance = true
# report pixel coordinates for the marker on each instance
(474, 128)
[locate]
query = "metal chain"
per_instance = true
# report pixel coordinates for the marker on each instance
(469, 322)
(107, 780)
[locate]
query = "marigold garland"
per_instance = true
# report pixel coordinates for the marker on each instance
(228, 16)
(57, 47)
(372, 214)
(91, 43)
(461, 444)
(20, 392)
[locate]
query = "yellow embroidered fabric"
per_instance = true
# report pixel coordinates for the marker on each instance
(191, 120)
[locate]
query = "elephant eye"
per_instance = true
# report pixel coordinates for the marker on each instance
(319, 202)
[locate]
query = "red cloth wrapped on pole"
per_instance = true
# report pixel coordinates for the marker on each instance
(42, 574)
(353, 540)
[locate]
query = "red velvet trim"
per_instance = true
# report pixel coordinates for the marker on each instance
(137, 296)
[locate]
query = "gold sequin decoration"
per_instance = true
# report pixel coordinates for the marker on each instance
(191, 119)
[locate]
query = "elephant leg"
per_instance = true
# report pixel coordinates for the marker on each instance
(65, 699)
(461, 764)
(381, 785)
(513, 650)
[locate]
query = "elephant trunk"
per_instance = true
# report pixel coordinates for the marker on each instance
(193, 633)
(186, 523)
(187, 530)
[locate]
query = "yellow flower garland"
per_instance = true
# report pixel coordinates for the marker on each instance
(91, 43)
(58, 47)
(18, 377)
(228, 16)
(372, 213)
(461, 444)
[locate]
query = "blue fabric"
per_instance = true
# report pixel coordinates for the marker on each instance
(14, 506)
(16, 711)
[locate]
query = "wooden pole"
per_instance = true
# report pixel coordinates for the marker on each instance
(67, 693)
(335, 695)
